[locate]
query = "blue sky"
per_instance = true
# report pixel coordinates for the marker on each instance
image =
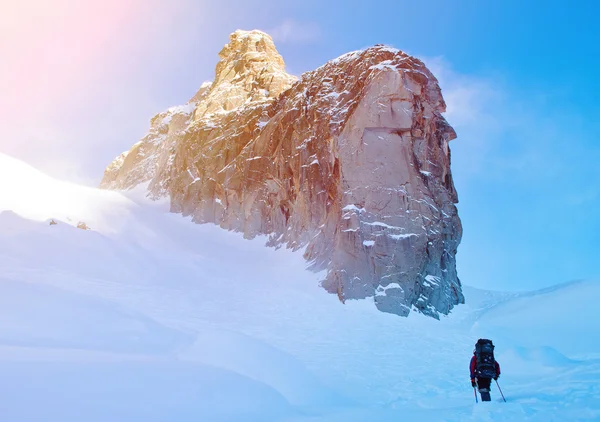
(520, 78)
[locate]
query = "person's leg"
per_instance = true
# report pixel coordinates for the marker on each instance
(484, 388)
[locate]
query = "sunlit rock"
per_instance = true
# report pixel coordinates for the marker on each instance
(349, 163)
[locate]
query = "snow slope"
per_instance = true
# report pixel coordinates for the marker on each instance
(147, 317)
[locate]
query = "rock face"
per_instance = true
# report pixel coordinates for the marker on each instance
(351, 162)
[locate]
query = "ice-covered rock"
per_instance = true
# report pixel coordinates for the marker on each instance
(350, 163)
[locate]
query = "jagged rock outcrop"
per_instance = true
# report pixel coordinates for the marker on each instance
(351, 162)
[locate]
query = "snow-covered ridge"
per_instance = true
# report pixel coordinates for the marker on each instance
(32, 195)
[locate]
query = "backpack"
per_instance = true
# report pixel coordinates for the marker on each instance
(484, 353)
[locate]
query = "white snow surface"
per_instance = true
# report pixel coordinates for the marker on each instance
(148, 317)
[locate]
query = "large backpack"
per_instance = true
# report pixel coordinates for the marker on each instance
(484, 353)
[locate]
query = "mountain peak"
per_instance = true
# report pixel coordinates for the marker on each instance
(250, 70)
(350, 163)
(251, 47)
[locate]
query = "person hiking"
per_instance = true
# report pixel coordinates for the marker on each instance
(483, 368)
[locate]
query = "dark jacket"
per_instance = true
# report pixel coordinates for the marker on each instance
(473, 367)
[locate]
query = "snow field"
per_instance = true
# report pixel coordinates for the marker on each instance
(148, 317)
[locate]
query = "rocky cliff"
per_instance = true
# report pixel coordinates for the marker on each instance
(350, 163)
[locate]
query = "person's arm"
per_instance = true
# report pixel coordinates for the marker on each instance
(497, 369)
(472, 366)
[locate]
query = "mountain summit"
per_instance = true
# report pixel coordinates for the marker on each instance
(350, 163)
(250, 70)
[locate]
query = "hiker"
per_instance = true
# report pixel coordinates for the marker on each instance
(484, 367)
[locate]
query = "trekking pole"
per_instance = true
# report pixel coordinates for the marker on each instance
(475, 391)
(499, 389)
